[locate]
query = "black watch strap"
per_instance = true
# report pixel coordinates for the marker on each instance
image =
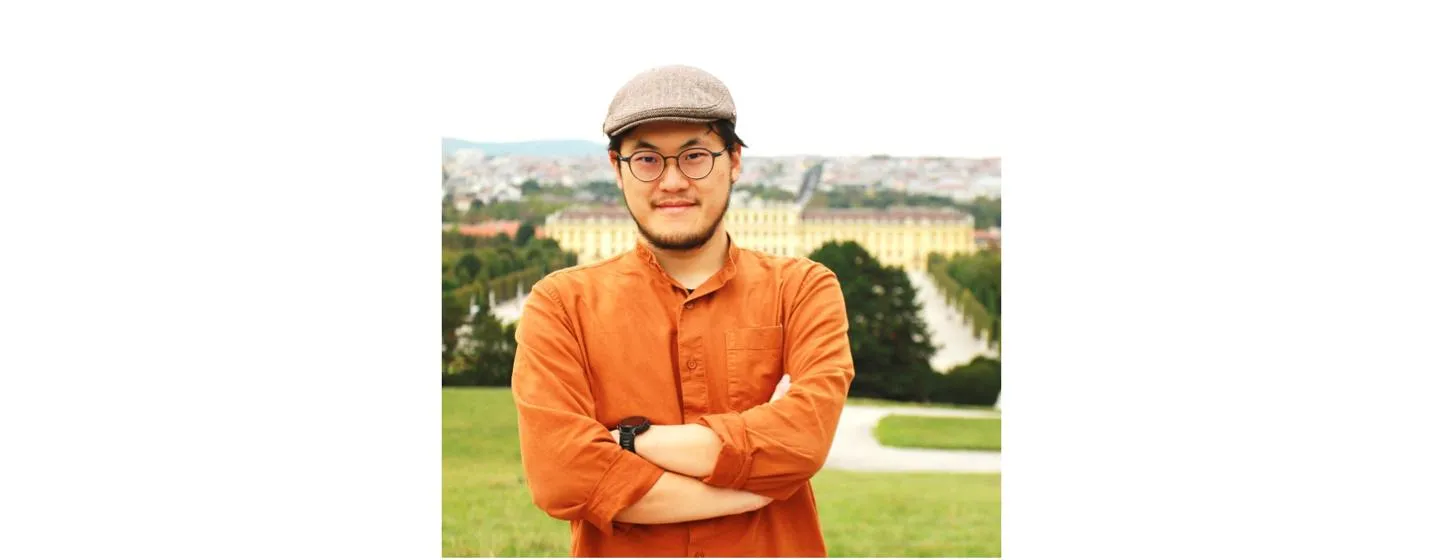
(631, 427)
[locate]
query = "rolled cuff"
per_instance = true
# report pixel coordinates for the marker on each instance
(732, 465)
(627, 480)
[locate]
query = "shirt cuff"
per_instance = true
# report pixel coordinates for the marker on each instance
(627, 480)
(732, 465)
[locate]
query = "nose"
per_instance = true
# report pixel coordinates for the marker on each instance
(671, 179)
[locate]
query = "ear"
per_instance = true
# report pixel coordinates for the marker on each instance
(615, 165)
(735, 166)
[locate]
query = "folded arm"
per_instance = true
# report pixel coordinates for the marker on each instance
(688, 449)
(775, 448)
(676, 498)
(572, 464)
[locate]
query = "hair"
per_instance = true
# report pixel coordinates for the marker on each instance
(722, 128)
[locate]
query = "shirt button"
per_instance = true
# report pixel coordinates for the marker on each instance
(692, 364)
(689, 305)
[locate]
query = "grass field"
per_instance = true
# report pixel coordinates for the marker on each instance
(882, 402)
(487, 509)
(981, 434)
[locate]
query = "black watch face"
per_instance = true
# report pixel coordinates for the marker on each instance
(633, 422)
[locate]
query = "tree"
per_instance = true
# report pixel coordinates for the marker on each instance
(601, 191)
(889, 342)
(468, 267)
(524, 234)
(975, 383)
(451, 238)
(484, 356)
(979, 273)
(873, 196)
(453, 313)
(985, 210)
(971, 284)
(767, 192)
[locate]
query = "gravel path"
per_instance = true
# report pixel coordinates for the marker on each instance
(856, 449)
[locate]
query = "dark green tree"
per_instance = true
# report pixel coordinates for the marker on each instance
(471, 268)
(468, 267)
(453, 313)
(979, 273)
(485, 355)
(888, 339)
(524, 234)
(975, 383)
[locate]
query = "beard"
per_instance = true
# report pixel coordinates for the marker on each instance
(680, 241)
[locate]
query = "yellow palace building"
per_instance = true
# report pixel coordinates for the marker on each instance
(896, 236)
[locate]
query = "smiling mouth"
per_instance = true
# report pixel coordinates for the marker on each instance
(673, 208)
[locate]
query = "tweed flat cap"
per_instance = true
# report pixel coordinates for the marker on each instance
(669, 93)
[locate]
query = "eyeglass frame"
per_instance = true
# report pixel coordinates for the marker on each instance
(665, 163)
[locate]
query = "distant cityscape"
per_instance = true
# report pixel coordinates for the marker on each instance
(488, 173)
(521, 210)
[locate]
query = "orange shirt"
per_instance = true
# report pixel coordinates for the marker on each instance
(618, 338)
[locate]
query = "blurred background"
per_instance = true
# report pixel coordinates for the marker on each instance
(916, 245)
(865, 155)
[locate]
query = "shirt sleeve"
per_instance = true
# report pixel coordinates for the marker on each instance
(775, 448)
(574, 468)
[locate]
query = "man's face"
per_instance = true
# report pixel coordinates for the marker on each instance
(674, 211)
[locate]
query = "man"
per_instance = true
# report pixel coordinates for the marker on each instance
(644, 382)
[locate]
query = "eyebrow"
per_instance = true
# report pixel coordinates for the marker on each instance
(646, 145)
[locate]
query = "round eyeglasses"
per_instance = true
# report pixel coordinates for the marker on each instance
(695, 163)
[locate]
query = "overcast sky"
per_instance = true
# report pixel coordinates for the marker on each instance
(899, 80)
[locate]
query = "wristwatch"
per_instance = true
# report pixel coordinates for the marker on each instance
(631, 427)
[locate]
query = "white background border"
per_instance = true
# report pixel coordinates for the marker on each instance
(218, 307)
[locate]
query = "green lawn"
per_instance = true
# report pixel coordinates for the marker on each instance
(487, 509)
(982, 434)
(882, 402)
(909, 514)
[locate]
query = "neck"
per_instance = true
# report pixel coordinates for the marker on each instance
(693, 267)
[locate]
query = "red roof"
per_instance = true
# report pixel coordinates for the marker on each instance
(496, 227)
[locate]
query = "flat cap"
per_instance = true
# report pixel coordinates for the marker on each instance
(669, 93)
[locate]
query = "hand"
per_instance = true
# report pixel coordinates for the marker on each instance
(615, 435)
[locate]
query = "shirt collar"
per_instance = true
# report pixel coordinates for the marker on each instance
(732, 259)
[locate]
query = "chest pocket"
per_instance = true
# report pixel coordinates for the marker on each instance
(754, 361)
